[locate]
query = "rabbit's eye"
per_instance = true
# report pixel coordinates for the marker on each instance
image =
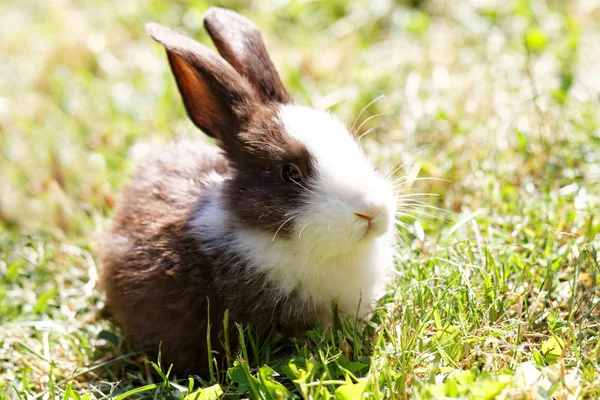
(290, 173)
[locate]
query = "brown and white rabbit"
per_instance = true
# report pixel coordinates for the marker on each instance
(284, 218)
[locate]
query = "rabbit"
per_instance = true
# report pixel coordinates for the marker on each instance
(280, 222)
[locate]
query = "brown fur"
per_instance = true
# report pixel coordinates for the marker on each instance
(250, 60)
(158, 281)
(159, 277)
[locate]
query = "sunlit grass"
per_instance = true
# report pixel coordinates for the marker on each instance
(497, 102)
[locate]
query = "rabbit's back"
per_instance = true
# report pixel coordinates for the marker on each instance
(155, 275)
(166, 189)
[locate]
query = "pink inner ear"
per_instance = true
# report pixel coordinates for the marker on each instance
(200, 102)
(216, 97)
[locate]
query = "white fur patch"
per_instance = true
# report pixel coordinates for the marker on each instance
(345, 184)
(355, 279)
(334, 255)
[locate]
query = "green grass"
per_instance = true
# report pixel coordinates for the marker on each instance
(497, 295)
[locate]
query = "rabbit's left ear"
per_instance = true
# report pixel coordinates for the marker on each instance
(217, 99)
(240, 43)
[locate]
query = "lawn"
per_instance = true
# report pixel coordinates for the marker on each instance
(491, 107)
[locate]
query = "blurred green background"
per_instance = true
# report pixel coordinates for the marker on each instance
(496, 101)
(84, 91)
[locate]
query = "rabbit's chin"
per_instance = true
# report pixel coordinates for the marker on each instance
(339, 238)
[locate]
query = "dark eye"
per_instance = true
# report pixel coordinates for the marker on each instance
(290, 173)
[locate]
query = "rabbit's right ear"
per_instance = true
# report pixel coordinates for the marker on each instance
(217, 99)
(240, 43)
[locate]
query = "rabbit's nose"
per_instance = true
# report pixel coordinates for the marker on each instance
(376, 215)
(365, 216)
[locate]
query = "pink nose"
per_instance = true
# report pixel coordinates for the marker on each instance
(364, 216)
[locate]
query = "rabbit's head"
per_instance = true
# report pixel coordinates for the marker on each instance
(298, 173)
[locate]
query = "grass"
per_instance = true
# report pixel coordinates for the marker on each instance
(496, 296)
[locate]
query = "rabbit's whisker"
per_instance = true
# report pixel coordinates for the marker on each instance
(302, 230)
(376, 99)
(281, 226)
(398, 182)
(415, 204)
(415, 195)
(266, 144)
(368, 119)
(412, 157)
(368, 131)
(401, 236)
(303, 187)
(409, 213)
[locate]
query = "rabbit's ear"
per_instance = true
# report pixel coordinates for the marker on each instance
(216, 97)
(240, 43)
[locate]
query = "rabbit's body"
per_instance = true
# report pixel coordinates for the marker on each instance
(286, 219)
(162, 279)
